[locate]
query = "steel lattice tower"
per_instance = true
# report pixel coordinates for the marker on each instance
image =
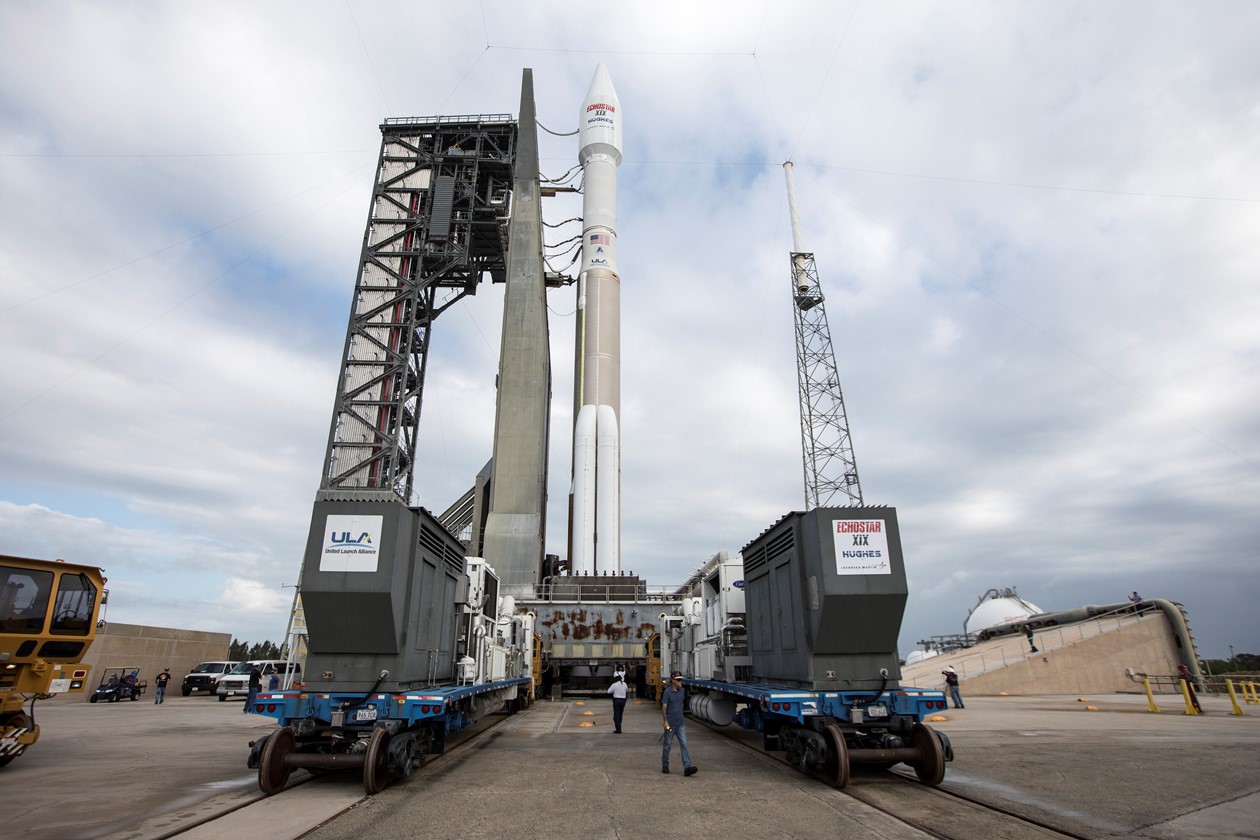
(830, 468)
(442, 191)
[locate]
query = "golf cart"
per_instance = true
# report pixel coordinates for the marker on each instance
(119, 684)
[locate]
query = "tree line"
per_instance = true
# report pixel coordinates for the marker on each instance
(1243, 663)
(245, 652)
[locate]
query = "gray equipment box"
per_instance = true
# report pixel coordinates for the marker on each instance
(380, 586)
(825, 594)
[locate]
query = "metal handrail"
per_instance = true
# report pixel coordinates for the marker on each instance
(605, 593)
(1050, 639)
(465, 118)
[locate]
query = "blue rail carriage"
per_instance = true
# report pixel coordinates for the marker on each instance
(384, 735)
(408, 641)
(796, 638)
(826, 732)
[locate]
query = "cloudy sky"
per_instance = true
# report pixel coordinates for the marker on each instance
(1036, 225)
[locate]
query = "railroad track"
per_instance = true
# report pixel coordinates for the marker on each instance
(310, 802)
(947, 813)
(322, 798)
(940, 812)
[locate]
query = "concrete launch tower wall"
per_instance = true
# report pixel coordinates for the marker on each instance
(515, 526)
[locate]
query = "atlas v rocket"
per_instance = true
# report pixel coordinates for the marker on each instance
(595, 525)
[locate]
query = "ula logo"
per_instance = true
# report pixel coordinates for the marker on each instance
(344, 538)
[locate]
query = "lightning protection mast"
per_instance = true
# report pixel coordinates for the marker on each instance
(831, 474)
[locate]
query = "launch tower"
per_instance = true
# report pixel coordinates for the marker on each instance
(831, 476)
(434, 228)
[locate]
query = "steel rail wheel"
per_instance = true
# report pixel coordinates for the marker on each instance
(376, 764)
(836, 767)
(930, 768)
(272, 774)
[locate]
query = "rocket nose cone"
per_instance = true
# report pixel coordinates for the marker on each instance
(601, 88)
(599, 123)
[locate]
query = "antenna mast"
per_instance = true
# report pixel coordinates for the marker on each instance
(831, 476)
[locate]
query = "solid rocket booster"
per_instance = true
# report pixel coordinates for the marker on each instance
(596, 519)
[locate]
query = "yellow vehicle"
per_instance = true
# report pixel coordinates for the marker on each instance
(654, 666)
(48, 614)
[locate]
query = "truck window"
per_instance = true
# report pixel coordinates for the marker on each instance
(24, 596)
(74, 606)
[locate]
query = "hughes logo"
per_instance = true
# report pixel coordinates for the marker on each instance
(861, 547)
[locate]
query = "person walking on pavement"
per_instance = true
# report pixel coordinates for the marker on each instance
(618, 692)
(161, 681)
(675, 724)
(951, 680)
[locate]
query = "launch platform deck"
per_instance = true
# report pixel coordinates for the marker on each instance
(1052, 765)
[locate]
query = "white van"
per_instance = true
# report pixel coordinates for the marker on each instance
(237, 680)
(205, 677)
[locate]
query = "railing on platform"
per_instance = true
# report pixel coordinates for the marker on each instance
(1217, 683)
(1050, 639)
(604, 593)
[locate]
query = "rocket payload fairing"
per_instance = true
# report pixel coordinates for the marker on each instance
(595, 525)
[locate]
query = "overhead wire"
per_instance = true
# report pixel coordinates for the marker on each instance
(565, 178)
(564, 241)
(1024, 185)
(674, 53)
(368, 56)
(1046, 333)
(754, 55)
(547, 261)
(823, 82)
(556, 133)
(159, 155)
(455, 89)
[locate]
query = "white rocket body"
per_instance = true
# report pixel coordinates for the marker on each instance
(596, 520)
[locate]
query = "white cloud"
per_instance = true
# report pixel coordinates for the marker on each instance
(1048, 358)
(242, 597)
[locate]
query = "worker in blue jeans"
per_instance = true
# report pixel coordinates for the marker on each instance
(951, 681)
(255, 685)
(159, 694)
(675, 724)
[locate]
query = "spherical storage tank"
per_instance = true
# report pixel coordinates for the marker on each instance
(998, 607)
(919, 655)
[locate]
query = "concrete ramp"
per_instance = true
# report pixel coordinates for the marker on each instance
(1083, 658)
